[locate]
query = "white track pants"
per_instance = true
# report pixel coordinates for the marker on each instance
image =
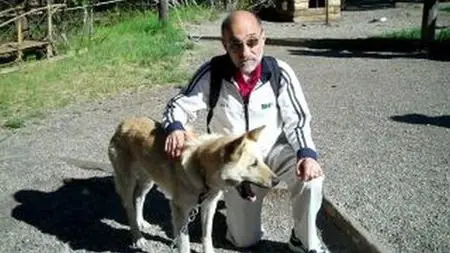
(244, 217)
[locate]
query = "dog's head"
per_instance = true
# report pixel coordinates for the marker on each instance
(243, 165)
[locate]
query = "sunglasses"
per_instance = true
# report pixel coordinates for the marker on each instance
(236, 45)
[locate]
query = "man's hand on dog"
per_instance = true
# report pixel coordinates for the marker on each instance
(308, 169)
(175, 143)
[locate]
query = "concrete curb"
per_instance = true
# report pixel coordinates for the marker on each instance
(364, 241)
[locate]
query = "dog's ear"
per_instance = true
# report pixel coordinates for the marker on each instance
(232, 148)
(254, 134)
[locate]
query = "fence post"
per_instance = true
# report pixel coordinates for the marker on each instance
(19, 29)
(49, 29)
(88, 19)
(91, 20)
(429, 17)
(85, 18)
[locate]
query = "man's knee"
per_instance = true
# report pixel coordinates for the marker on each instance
(315, 184)
(304, 188)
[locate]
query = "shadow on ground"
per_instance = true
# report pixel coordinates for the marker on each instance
(441, 121)
(366, 5)
(76, 214)
(382, 48)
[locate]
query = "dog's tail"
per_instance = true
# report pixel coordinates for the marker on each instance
(88, 165)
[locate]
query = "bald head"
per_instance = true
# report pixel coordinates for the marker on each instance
(243, 38)
(237, 20)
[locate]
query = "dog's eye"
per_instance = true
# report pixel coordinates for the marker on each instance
(255, 163)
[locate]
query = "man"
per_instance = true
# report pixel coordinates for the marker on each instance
(246, 100)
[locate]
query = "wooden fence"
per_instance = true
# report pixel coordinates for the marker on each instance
(18, 16)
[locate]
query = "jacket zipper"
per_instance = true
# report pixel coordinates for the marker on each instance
(247, 127)
(246, 115)
(245, 103)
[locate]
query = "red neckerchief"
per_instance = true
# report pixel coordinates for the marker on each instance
(245, 88)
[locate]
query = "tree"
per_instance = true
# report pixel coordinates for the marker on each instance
(163, 11)
(430, 10)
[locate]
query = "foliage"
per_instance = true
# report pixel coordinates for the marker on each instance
(129, 51)
(445, 9)
(415, 34)
(443, 35)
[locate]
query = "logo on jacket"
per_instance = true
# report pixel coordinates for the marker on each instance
(266, 106)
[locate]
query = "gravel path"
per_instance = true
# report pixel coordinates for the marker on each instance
(381, 124)
(47, 203)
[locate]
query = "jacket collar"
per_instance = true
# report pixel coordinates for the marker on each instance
(230, 69)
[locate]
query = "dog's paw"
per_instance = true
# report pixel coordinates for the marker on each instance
(208, 247)
(209, 250)
(144, 225)
(141, 244)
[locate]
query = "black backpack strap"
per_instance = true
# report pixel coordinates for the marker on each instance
(214, 86)
(275, 73)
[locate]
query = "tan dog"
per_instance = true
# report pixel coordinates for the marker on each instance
(208, 165)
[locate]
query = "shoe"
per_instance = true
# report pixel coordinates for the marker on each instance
(295, 245)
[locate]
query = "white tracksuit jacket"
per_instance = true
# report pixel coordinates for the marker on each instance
(288, 113)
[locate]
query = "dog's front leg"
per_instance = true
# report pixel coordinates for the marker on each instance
(208, 210)
(180, 228)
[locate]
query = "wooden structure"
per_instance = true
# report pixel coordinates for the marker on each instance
(21, 44)
(306, 10)
(19, 10)
(317, 10)
(18, 49)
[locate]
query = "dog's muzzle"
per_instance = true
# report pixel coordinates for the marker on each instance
(245, 191)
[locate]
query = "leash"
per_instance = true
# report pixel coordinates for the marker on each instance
(191, 217)
(184, 229)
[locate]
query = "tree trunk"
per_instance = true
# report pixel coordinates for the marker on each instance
(430, 10)
(163, 11)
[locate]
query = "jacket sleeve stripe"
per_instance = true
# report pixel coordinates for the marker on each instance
(198, 76)
(297, 107)
(169, 110)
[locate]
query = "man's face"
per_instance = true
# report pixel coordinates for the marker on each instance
(244, 42)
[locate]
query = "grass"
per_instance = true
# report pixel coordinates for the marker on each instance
(445, 9)
(133, 52)
(415, 34)
(408, 34)
(195, 14)
(444, 35)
